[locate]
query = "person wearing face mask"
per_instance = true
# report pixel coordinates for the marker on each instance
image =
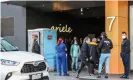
(105, 47)
(74, 39)
(125, 51)
(84, 55)
(74, 52)
(98, 40)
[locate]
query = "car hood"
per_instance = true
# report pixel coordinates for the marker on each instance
(21, 56)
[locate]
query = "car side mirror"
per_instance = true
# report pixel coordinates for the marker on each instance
(16, 47)
(2, 50)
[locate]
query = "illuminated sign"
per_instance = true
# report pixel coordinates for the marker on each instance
(111, 23)
(62, 29)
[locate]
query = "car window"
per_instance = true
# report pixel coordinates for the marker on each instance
(7, 46)
(2, 49)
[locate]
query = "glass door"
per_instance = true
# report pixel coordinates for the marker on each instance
(131, 36)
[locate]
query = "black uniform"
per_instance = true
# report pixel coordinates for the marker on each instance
(84, 57)
(106, 45)
(125, 51)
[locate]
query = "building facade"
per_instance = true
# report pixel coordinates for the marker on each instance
(118, 18)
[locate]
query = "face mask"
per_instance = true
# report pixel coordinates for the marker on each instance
(75, 42)
(98, 40)
(87, 42)
(101, 36)
(123, 37)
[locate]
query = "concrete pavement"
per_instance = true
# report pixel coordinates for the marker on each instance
(84, 76)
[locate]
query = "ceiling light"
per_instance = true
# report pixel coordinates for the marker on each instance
(43, 5)
(81, 13)
(87, 8)
(97, 17)
(81, 9)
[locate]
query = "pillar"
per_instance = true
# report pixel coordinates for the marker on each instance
(116, 14)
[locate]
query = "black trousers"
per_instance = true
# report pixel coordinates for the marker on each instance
(83, 64)
(126, 64)
(92, 66)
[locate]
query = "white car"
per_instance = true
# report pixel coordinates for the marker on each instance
(21, 65)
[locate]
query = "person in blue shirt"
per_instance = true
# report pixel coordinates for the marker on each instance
(74, 52)
(61, 55)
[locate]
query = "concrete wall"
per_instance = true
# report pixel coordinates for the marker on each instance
(19, 14)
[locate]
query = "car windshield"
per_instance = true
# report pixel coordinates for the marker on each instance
(6, 46)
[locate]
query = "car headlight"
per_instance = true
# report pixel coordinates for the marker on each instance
(9, 62)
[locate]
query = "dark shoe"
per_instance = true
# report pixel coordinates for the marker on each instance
(122, 76)
(99, 76)
(91, 74)
(77, 76)
(66, 74)
(106, 76)
(125, 77)
(60, 74)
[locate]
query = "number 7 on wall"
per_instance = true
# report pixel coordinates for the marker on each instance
(113, 18)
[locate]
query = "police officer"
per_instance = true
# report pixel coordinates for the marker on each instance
(125, 51)
(105, 46)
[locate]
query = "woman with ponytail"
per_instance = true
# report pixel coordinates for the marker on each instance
(61, 56)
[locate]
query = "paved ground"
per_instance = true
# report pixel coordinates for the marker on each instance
(84, 76)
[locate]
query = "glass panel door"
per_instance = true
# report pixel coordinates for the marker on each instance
(131, 36)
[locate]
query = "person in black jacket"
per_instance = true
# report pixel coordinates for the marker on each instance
(105, 47)
(94, 55)
(98, 40)
(84, 55)
(125, 51)
(80, 42)
(35, 46)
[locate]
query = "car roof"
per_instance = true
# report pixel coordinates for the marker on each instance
(39, 29)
